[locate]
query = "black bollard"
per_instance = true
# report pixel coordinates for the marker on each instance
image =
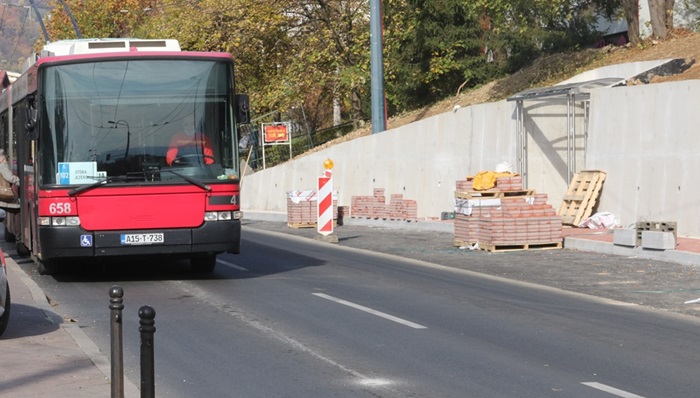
(116, 306)
(147, 329)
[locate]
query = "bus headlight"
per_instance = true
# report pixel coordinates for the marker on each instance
(222, 215)
(60, 221)
(225, 215)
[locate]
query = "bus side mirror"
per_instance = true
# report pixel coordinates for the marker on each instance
(242, 109)
(31, 122)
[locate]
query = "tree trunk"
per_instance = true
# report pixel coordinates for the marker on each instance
(356, 107)
(669, 13)
(657, 13)
(631, 8)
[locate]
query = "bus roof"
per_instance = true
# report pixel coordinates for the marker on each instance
(102, 49)
(95, 46)
(131, 55)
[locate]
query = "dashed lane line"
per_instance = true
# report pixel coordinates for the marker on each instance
(371, 311)
(611, 390)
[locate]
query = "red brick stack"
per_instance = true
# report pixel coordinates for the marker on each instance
(375, 206)
(368, 206)
(514, 183)
(302, 208)
(507, 219)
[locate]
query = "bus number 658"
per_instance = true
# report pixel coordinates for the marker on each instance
(60, 208)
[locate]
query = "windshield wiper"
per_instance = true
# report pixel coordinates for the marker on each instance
(96, 184)
(190, 180)
(123, 178)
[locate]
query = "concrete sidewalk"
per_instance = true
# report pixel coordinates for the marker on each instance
(44, 355)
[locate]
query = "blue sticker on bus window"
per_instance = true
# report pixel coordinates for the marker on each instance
(86, 240)
(64, 174)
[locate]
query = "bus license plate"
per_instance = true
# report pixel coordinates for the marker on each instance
(141, 239)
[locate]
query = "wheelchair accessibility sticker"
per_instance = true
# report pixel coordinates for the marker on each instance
(86, 240)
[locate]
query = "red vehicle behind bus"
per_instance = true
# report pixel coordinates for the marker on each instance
(124, 147)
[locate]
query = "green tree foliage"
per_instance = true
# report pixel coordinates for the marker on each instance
(435, 47)
(334, 36)
(432, 47)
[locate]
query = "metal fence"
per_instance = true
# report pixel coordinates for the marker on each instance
(302, 140)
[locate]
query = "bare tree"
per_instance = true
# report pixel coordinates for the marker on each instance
(661, 13)
(631, 8)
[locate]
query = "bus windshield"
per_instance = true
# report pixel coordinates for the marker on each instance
(136, 121)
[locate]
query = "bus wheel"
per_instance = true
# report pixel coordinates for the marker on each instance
(204, 263)
(22, 250)
(9, 236)
(45, 268)
(6, 315)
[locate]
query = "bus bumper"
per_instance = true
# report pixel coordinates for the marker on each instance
(74, 242)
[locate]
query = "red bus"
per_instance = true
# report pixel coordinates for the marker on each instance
(90, 126)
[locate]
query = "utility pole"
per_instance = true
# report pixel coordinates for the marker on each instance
(377, 67)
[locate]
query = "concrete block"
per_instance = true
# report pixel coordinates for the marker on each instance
(625, 237)
(658, 240)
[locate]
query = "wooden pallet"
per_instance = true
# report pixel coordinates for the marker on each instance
(524, 246)
(493, 194)
(307, 224)
(582, 196)
(301, 225)
(513, 247)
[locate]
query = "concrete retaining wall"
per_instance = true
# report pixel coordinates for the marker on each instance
(648, 140)
(645, 137)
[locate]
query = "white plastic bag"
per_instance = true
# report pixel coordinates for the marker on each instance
(602, 220)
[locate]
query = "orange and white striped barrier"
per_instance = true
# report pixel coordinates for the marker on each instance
(325, 200)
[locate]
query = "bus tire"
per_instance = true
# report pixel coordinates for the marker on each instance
(45, 268)
(22, 250)
(204, 263)
(9, 236)
(6, 315)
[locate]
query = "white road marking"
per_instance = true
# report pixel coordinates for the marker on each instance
(232, 265)
(611, 390)
(371, 311)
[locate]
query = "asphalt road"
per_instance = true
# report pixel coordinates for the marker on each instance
(649, 283)
(293, 317)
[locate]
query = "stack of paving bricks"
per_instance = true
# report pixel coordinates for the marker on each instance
(375, 206)
(507, 222)
(302, 209)
(505, 186)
